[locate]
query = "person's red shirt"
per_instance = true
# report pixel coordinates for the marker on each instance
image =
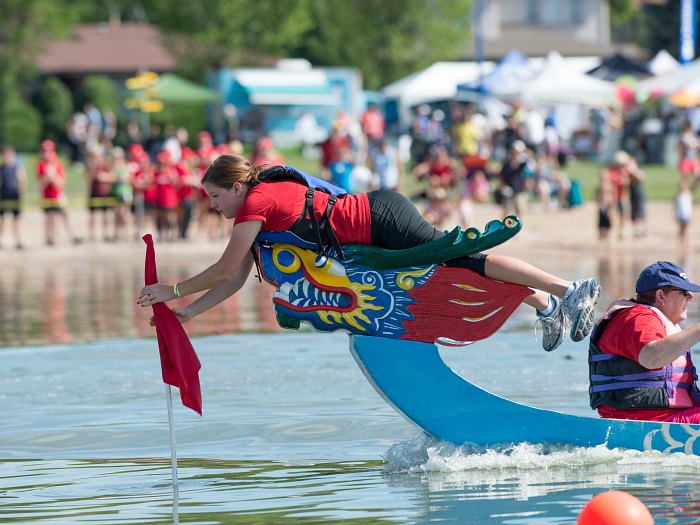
(167, 183)
(52, 187)
(332, 147)
(372, 124)
(625, 335)
(279, 205)
(186, 190)
(619, 180)
(143, 180)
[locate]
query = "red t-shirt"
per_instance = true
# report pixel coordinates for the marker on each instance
(626, 334)
(279, 205)
(186, 191)
(619, 180)
(50, 190)
(372, 124)
(630, 330)
(331, 149)
(167, 180)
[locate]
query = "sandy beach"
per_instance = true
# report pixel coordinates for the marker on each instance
(551, 232)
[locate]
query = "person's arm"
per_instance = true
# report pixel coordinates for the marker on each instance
(217, 294)
(49, 175)
(214, 296)
(106, 174)
(221, 271)
(637, 171)
(659, 353)
(22, 179)
(402, 175)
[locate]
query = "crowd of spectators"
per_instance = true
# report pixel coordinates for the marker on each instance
(518, 165)
(457, 158)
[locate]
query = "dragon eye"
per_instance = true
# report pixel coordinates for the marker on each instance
(286, 260)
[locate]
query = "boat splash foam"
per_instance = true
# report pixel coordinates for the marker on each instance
(425, 454)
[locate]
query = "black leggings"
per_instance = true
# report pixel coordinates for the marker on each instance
(397, 224)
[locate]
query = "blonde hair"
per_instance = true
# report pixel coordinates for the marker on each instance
(228, 169)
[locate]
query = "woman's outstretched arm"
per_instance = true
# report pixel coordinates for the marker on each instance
(220, 272)
(217, 294)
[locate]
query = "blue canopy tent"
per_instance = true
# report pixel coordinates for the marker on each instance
(513, 68)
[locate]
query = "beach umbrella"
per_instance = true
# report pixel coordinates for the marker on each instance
(684, 99)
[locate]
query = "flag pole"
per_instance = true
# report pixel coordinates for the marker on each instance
(173, 452)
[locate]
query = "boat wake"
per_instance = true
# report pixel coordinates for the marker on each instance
(425, 454)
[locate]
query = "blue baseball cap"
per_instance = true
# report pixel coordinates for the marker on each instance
(664, 273)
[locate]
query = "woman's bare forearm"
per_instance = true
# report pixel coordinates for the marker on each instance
(223, 291)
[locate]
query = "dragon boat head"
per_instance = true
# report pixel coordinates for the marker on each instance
(322, 291)
(380, 293)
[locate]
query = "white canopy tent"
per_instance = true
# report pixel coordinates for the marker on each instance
(559, 83)
(435, 83)
(663, 63)
(670, 82)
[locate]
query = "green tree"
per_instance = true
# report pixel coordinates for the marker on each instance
(210, 34)
(22, 123)
(622, 11)
(55, 102)
(662, 24)
(25, 26)
(387, 39)
(101, 91)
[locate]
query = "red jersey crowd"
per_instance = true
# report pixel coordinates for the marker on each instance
(132, 191)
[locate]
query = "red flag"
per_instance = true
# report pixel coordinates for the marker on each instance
(178, 360)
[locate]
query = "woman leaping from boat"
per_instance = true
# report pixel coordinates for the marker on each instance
(275, 199)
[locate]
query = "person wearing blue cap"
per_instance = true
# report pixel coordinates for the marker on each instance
(639, 358)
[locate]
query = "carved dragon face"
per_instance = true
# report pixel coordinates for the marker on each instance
(326, 294)
(422, 303)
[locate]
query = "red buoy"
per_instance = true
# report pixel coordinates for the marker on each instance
(615, 508)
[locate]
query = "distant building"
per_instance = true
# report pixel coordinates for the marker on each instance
(535, 27)
(115, 49)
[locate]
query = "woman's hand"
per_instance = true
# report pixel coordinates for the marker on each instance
(156, 293)
(183, 314)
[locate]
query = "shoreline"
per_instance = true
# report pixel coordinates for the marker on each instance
(556, 231)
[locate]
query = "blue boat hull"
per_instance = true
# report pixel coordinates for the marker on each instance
(412, 377)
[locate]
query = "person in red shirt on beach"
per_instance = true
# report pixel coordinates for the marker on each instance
(618, 174)
(265, 154)
(188, 192)
(168, 182)
(332, 148)
(639, 358)
(52, 180)
(144, 188)
(383, 218)
(373, 125)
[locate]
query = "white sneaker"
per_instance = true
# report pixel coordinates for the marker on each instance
(579, 307)
(554, 326)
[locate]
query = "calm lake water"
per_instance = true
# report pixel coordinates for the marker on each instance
(292, 432)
